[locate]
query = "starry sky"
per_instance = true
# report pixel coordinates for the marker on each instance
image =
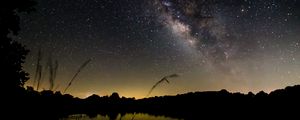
(238, 45)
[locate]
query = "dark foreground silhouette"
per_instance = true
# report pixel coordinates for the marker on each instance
(27, 104)
(31, 104)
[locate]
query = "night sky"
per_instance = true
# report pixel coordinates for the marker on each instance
(238, 45)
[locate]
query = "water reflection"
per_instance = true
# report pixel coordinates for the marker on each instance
(118, 116)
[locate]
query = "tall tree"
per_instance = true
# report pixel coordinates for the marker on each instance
(12, 53)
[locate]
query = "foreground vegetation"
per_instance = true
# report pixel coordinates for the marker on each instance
(49, 105)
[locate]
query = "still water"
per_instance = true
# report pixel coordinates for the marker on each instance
(127, 116)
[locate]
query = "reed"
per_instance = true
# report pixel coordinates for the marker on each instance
(52, 72)
(75, 75)
(155, 85)
(160, 81)
(38, 72)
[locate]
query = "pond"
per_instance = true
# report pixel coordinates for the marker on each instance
(127, 116)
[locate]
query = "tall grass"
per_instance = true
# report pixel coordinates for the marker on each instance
(52, 72)
(160, 81)
(38, 72)
(78, 71)
(155, 85)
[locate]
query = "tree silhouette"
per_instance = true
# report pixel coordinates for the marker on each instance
(12, 53)
(115, 96)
